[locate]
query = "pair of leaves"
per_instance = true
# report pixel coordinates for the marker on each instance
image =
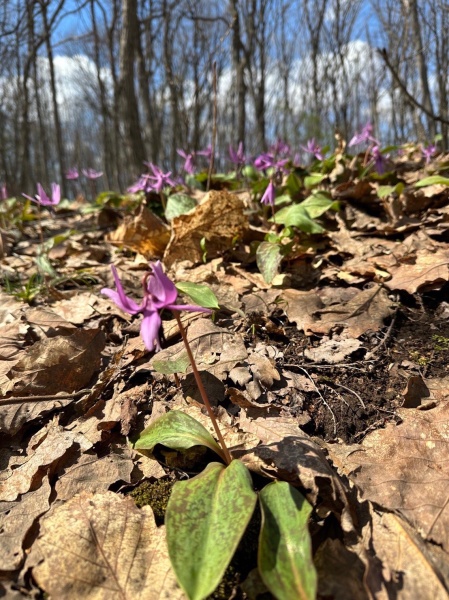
(207, 517)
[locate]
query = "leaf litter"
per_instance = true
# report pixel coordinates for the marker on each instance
(333, 378)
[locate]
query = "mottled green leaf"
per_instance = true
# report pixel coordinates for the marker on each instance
(313, 179)
(171, 365)
(176, 430)
(285, 553)
(297, 216)
(269, 258)
(178, 204)
(318, 203)
(205, 520)
(200, 294)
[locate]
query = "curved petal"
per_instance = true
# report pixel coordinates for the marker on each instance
(149, 330)
(162, 290)
(55, 193)
(42, 195)
(119, 296)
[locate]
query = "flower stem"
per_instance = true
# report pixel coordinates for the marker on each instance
(203, 393)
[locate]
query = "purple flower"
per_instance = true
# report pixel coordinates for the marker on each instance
(159, 179)
(267, 159)
(3, 192)
(280, 148)
(91, 173)
(364, 136)
(313, 148)
(188, 158)
(379, 160)
(159, 293)
(72, 174)
(207, 152)
(428, 152)
(42, 198)
(269, 195)
(238, 158)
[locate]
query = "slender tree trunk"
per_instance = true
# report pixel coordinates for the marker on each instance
(128, 99)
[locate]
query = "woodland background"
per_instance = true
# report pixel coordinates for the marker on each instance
(109, 84)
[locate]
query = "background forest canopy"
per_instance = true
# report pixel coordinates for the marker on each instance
(109, 84)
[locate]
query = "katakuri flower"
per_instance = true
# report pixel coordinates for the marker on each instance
(42, 198)
(159, 292)
(237, 157)
(267, 160)
(428, 152)
(159, 180)
(3, 192)
(91, 173)
(379, 160)
(366, 135)
(189, 166)
(72, 174)
(269, 195)
(313, 148)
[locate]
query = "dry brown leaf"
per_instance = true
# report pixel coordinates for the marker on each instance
(405, 468)
(428, 270)
(45, 449)
(82, 307)
(301, 307)
(215, 349)
(333, 350)
(102, 547)
(95, 474)
(219, 220)
(61, 364)
(16, 519)
(286, 452)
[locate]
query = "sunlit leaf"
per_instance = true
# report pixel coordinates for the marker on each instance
(318, 203)
(297, 216)
(205, 520)
(200, 294)
(269, 258)
(178, 204)
(178, 431)
(285, 553)
(433, 180)
(313, 179)
(172, 365)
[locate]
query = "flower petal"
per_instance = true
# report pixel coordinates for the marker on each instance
(161, 288)
(119, 297)
(149, 330)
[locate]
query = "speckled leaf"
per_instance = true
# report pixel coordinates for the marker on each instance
(178, 204)
(176, 430)
(285, 555)
(171, 365)
(268, 257)
(432, 180)
(200, 294)
(205, 520)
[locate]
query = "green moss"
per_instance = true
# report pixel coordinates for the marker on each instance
(441, 343)
(154, 494)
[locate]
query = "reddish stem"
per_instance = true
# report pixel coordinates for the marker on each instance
(203, 393)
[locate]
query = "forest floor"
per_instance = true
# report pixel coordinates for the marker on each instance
(333, 377)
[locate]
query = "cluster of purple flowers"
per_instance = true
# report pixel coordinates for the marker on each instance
(152, 183)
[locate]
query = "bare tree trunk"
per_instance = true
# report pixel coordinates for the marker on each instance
(58, 128)
(128, 99)
(238, 62)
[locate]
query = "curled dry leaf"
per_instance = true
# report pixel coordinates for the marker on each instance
(102, 547)
(143, 232)
(219, 220)
(426, 270)
(405, 468)
(61, 364)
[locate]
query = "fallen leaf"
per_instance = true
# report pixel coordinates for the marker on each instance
(61, 364)
(428, 270)
(332, 351)
(113, 551)
(219, 219)
(143, 232)
(16, 519)
(405, 468)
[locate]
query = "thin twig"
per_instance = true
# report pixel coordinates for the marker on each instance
(201, 389)
(18, 399)
(386, 336)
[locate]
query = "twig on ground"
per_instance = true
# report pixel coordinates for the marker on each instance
(17, 399)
